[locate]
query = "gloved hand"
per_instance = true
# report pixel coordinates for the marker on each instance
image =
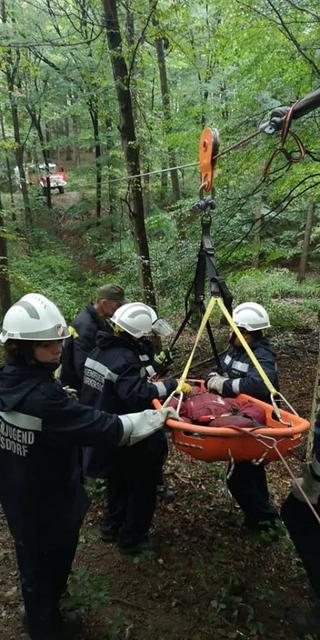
(309, 483)
(164, 358)
(137, 426)
(71, 393)
(186, 388)
(216, 382)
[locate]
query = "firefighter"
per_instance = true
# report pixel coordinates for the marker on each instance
(304, 531)
(84, 328)
(247, 482)
(41, 430)
(117, 378)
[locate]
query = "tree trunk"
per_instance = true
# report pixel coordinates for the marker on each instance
(257, 232)
(111, 185)
(223, 97)
(36, 121)
(10, 70)
(48, 140)
(19, 157)
(5, 294)
(94, 115)
(306, 241)
(130, 146)
(46, 162)
(8, 167)
(75, 132)
(164, 184)
(67, 134)
(146, 193)
(164, 85)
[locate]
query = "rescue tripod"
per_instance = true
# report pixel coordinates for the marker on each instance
(206, 263)
(220, 294)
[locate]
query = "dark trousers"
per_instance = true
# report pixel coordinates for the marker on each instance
(160, 480)
(132, 488)
(43, 576)
(304, 532)
(248, 485)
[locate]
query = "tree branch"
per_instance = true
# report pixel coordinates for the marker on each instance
(152, 10)
(293, 39)
(305, 10)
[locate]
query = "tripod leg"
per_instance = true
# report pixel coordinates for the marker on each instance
(182, 326)
(212, 341)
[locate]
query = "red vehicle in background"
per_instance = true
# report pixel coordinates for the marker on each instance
(36, 174)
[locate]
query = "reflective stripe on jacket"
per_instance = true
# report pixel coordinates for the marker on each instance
(242, 374)
(41, 431)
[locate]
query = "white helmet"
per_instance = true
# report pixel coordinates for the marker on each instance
(134, 318)
(251, 316)
(160, 326)
(34, 317)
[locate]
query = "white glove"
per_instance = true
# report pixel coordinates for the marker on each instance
(216, 382)
(137, 426)
(310, 485)
(71, 393)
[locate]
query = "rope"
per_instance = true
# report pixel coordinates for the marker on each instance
(273, 391)
(156, 171)
(262, 439)
(190, 164)
(291, 159)
(292, 476)
(304, 495)
(237, 145)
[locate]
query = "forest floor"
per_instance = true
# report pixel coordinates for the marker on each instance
(213, 579)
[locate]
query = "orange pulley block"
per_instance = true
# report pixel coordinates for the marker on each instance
(208, 150)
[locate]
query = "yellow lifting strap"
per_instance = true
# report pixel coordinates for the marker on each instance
(273, 391)
(204, 321)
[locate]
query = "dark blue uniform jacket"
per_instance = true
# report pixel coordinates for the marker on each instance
(116, 379)
(41, 430)
(316, 439)
(77, 348)
(244, 377)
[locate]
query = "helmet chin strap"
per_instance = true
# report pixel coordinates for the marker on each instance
(247, 334)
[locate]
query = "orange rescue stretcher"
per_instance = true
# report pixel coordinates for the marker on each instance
(257, 444)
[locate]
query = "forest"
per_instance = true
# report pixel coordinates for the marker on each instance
(102, 107)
